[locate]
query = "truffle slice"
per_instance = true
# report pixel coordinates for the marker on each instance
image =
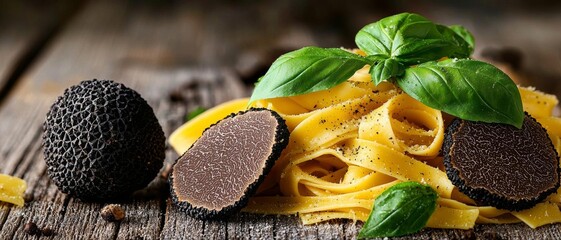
(500, 165)
(216, 176)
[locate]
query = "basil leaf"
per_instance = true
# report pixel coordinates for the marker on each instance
(402, 209)
(466, 35)
(410, 39)
(307, 70)
(196, 112)
(385, 70)
(461, 48)
(377, 38)
(467, 89)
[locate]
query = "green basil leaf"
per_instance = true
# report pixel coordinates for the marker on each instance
(410, 39)
(461, 48)
(376, 58)
(196, 112)
(385, 70)
(465, 88)
(402, 209)
(307, 70)
(466, 35)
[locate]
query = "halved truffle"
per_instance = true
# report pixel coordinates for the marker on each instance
(500, 165)
(216, 176)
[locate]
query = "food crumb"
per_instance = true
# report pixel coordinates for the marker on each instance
(47, 232)
(28, 197)
(113, 213)
(31, 229)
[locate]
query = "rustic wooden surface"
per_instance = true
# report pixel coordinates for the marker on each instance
(179, 58)
(24, 35)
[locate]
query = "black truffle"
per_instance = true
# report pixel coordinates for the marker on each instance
(216, 176)
(500, 165)
(102, 141)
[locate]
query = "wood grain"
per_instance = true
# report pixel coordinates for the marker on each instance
(159, 55)
(26, 29)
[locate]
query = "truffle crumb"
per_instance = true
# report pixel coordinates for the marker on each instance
(113, 213)
(47, 232)
(31, 229)
(28, 197)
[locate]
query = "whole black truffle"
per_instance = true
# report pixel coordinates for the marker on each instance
(500, 165)
(102, 141)
(216, 176)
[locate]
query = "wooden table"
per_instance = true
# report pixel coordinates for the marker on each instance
(182, 56)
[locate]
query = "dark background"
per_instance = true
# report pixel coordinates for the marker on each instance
(247, 35)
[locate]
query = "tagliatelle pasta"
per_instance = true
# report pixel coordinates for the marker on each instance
(350, 143)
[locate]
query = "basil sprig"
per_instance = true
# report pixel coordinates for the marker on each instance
(405, 49)
(402, 209)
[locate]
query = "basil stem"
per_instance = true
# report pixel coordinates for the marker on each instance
(385, 70)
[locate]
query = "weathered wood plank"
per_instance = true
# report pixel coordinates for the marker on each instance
(12, 46)
(47, 205)
(244, 226)
(26, 28)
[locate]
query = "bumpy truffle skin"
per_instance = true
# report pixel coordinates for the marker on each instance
(282, 135)
(102, 141)
(488, 195)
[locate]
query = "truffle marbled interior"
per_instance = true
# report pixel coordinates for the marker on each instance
(500, 165)
(229, 157)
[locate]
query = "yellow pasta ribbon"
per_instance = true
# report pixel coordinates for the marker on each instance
(378, 157)
(327, 124)
(445, 217)
(182, 138)
(12, 189)
(541, 214)
(405, 125)
(536, 103)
